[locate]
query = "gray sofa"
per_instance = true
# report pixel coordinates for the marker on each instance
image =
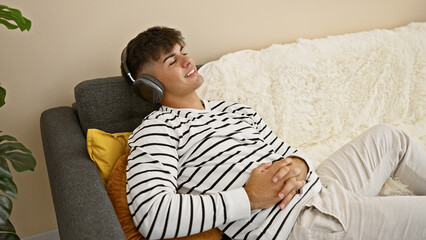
(83, 209)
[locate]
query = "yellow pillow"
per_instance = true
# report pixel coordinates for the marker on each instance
(105, 149)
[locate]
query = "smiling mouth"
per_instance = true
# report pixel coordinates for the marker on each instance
(190, 73)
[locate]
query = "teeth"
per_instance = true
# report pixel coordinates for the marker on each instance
(191, 72)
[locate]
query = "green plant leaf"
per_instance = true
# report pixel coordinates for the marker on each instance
(13, 146)
(19, 156)
(2, 95)
(9, 25)
(8, 186)
(4, 169)
(5, 209)
(9, 236)
(21, 161)
(7, 231)
(6, 226)
(11, 14)
(16, 16)
(7, 138)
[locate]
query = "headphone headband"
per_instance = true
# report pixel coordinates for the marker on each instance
(124, 64)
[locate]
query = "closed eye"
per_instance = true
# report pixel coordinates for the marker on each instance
(174, 60)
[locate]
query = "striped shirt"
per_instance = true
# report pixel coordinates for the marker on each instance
(187, 169)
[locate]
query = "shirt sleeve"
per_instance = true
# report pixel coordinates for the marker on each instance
(158, 210)
(279, 146)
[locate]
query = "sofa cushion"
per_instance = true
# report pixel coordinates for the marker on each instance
(109, 104)
(105, 148)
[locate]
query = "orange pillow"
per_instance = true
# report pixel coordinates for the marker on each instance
(116, 189)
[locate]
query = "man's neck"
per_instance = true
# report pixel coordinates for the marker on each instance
(192, 102)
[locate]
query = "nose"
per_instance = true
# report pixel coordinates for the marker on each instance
(185, 60)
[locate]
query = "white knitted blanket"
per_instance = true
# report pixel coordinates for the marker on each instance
(318, 94)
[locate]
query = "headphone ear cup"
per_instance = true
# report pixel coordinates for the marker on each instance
(149, 88)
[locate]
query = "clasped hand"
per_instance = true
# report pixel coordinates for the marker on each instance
(271, 183)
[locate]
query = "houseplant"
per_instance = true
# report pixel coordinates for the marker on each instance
(11, 150)
(12, 18)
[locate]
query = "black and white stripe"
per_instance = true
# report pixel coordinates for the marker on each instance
(187, 168)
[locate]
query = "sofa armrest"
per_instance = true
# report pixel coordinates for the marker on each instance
(83, 208)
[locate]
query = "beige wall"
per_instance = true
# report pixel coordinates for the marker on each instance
(71, 41)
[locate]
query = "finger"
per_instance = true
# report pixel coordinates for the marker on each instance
(299, 184)
(282, 167)
(281, 163)
(292, 173)
(263, 167)
(287, 199)
(286, 161)
(267, 166)
(290, 186)
(282, 172)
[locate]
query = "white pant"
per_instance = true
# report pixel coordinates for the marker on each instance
(348, 207)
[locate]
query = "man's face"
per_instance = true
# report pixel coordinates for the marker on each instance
(177, 72)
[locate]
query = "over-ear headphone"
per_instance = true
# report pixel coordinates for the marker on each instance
(145, 86)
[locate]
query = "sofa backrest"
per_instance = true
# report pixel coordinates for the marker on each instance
(109, 104)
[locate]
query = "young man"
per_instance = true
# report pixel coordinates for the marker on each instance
(196, 165)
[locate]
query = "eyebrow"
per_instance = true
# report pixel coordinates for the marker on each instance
(172, 55)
